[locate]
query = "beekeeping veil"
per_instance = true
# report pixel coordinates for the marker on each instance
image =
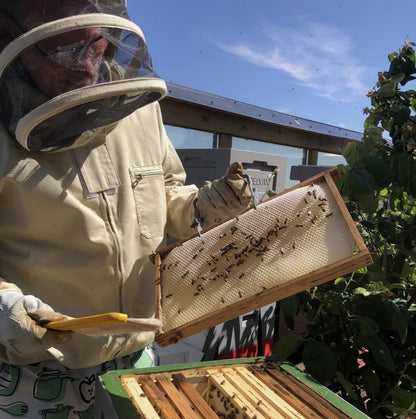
(70, 69)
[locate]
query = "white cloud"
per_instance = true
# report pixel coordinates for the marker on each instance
(317, 56)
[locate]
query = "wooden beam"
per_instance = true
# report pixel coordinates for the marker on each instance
(194, 116)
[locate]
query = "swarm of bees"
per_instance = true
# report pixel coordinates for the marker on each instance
(276, 241)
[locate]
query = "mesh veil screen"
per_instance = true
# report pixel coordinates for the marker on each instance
(284, 238)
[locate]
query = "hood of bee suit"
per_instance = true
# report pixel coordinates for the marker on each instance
(71, 69)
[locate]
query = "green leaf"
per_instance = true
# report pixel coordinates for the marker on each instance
(287, 345)
(371, 382)
(402, 398)
(380, 169)
(388, 230)
(387, 90)
(361, 182)
(401, 168)
(367, 203)
(362, 291)
(392, 56)
(368, 326)
(373, 119)
(320, 361)
(379, 351)
(400, 115)
(348, 387)
(350, 153)
(396, 318)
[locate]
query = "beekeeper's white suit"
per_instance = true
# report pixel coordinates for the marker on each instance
(90, 186)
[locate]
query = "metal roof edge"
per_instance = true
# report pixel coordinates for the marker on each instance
(224, 104)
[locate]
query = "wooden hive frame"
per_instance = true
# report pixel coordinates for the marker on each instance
(355, 258)
(250, 388)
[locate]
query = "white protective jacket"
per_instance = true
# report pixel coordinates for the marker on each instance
(77, 228)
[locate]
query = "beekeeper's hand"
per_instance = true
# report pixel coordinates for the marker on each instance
(223, 197)
(21, 323)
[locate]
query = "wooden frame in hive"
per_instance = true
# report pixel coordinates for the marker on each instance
(240, 388)
(296, 240)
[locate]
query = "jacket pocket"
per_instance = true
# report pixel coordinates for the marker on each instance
(148, 185)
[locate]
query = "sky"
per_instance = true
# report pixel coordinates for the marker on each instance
(314, 59)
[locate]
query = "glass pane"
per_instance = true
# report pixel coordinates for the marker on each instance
(294, 155)
(189, 138)
(328, 159)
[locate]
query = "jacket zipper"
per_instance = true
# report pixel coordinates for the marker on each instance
(138, 174)
(117, 247)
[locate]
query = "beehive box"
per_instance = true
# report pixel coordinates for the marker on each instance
(300, 238)
(243, 388)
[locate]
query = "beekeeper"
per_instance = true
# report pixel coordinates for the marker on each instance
(90, 187)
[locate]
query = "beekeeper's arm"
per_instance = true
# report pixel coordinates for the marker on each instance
(215, 201)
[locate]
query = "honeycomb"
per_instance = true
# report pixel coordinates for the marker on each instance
(275, 242)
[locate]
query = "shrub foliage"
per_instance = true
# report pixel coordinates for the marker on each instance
(361, 336)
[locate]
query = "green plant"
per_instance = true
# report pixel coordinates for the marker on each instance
(361, 340)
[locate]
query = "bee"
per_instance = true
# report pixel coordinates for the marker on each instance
(241, 276)
(233, 229)
(228, 268)
(222, 235)
(184, 274)
(329, 214)
(169, 295)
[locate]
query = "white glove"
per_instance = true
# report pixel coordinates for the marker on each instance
(223, 197)
(21, 320)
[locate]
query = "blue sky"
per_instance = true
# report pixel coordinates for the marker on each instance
(314, 59)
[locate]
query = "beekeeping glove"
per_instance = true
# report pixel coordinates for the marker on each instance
(21, 320)
(224, 197)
